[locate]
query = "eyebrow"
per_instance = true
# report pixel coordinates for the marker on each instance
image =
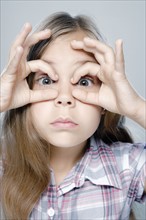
(51, 62)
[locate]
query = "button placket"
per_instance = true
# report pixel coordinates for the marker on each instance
(52, 201)
(51, 212)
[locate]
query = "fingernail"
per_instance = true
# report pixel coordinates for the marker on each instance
(56, 76)
(73, 41)
(87, 38)
(120, 41)
(19, 48)
(72, 80)
(23, 27)
(27, 24)
(47, 30)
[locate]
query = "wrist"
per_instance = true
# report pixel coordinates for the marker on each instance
(139, 115)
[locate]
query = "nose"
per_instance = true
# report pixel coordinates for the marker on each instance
(65, 97)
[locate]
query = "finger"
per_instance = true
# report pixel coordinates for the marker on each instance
(86, 97)
(94, 43)
(40, 65)
(97, 45)
(120, 67)
(101, 47)
(20, 39)
(35, 38)
(88, 68)
(101, 51)
(13, 65)
(42, 95)
(79, 45)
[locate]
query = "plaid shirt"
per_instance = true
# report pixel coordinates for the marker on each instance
(101, 186)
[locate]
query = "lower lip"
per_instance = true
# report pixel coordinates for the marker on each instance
(64, 125)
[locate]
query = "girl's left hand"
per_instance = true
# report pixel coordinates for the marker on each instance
(115, 93)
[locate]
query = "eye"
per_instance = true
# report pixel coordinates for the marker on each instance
(45, 80)
(85, 81)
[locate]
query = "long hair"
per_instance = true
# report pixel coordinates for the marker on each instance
(25, 154)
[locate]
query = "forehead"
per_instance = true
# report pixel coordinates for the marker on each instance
(60, 49)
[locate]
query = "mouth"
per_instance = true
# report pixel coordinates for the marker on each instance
(64, 123)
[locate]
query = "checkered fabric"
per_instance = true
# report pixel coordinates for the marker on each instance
(101, 186)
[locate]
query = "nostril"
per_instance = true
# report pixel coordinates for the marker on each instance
(64, 102)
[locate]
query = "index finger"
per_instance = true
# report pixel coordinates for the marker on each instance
(89, 68)
(20, 39)
(102, 52)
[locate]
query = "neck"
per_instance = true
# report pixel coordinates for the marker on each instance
(63, 159)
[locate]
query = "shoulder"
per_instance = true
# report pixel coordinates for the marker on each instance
(131, 155)
(126, 156)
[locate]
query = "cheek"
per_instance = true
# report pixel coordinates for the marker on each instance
(91, 116)
(38, 112)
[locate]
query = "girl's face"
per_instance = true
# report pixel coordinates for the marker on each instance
(65, 121)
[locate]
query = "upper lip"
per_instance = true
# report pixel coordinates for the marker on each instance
(63, 120)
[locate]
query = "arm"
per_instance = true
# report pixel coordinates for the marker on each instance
(116, 93)
(140, 116)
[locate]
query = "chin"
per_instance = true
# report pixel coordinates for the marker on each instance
(67, 139)
(66, 142)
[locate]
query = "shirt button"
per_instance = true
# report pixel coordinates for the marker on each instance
(51, 212)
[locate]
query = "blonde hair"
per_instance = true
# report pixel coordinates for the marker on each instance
(25, 154)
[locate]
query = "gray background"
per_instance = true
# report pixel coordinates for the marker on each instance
(115, 19)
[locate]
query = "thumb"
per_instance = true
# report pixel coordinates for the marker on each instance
(42, 95)
(86, 97)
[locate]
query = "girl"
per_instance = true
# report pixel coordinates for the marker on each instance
(65, 151)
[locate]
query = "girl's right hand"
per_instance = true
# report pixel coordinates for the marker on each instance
(14, 90)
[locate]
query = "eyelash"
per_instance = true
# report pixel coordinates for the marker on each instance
(86, 79)
(40, 80)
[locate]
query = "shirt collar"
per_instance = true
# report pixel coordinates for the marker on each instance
(99, 166)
